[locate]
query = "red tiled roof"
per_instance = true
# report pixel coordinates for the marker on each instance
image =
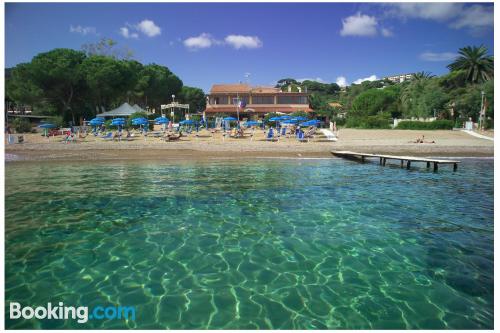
(265, 90)
(230, 88)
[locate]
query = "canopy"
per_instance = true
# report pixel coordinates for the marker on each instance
(137, 108)
(161, 120)
(124, 110)
(186, 122)
(47, 125)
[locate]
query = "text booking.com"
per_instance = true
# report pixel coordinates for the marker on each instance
(81, 313)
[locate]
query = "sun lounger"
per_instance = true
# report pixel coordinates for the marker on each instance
(270, 135)
(108, 136)
(301, 137)
(330, 136)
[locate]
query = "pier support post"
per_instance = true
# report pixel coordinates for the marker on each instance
(363, 159)
(383, 161)
(408, 164)
(428, 164)
(402, 161)
(455, 166)
(435, 166)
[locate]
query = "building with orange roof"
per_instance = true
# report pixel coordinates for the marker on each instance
(256, 101)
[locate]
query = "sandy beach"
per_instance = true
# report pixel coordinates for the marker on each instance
(397, 142)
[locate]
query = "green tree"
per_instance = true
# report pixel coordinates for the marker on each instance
(423, 98)
(158, 83)
(195, 97)
(374, 101)
(476, 62)
(108, 80)
(57, 73)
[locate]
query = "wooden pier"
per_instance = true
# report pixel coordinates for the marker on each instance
(408, 159)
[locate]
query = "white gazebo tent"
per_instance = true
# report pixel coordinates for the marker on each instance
(124, 110)
(175, 105)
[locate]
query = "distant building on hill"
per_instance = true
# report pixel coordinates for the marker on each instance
(223, 98)
(399, 78)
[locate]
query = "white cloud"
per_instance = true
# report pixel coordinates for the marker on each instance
(475, 17)
(432, 11)
(149, 28)
(202, 41)
(359, 25)
(240, 41)
(386, 32)
(456, 15)
(369, 78)
(341, 81)
(318, 79)
(83, 30)
(433, 56)
(124, 31)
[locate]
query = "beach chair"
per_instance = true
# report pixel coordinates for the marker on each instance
(108, 136)
(282, 133)
(270, 135)
(301, 137)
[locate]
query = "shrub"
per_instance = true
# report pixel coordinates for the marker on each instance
(423, 125)
(21, 125)
(368, 122)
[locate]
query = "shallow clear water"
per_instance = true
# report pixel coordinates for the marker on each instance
(253, 244)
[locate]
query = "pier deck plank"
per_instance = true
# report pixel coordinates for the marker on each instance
(384, 157)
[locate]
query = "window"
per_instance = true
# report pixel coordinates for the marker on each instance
(218, 100)
(292, 100)
(262, 99)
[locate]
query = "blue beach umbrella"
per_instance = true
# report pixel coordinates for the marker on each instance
(187, 122)
(275, 119)
(118, 122)
(252, 123)
(285, 117)
(230, 119)
(290, 121)
(299, 118)
(162, 121)
(45, 127)
(313, 122)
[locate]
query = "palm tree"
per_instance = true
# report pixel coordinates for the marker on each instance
(476, 62)
(422, 75)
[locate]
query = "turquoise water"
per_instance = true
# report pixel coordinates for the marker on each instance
(253, 244)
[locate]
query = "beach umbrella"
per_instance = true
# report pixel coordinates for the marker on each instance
(98, 119)
(252, 123)
(275, 119)
(313, 122)
(290, 121)
(118, 122)
(229, 119)
(162, 121)
(187, 122)
(299, 118)
(45, 127)
(285, 117)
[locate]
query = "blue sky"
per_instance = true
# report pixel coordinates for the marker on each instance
(207, 43)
